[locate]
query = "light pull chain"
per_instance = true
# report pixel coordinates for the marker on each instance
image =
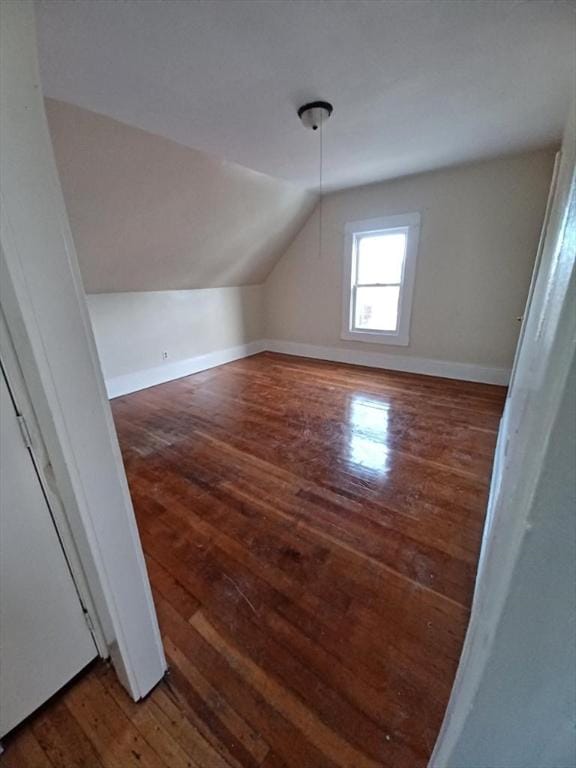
(313, 116)
(320, 192)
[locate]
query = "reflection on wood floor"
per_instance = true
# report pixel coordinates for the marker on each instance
(311, 532)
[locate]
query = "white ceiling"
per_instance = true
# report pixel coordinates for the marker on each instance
(416, 84)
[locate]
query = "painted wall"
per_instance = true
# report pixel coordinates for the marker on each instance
(133, 330)
(480, 229)
(149, 214)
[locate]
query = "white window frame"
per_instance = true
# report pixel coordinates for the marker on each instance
(405, 222)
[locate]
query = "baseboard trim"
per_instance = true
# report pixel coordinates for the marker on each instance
(133, 382)
(429, 367)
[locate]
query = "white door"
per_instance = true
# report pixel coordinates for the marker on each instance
(44, 638)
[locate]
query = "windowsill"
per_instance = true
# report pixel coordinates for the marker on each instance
(376, 337)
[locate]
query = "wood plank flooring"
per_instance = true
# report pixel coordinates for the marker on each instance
(311, 532)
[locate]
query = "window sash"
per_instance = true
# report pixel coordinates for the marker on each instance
(368, 234)
(387, 314)
(355, 284)
(354, 306)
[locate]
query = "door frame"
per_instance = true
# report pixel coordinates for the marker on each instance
(44, 306)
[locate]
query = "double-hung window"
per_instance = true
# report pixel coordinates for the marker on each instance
(379, 272)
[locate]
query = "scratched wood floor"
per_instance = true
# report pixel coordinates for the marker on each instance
(311, 532)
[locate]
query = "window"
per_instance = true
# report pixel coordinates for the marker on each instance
(379, 270)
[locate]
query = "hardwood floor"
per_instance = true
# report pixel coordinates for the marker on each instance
(311, 532)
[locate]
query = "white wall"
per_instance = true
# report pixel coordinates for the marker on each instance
(196, 328)
(480, 228)
(158, 220)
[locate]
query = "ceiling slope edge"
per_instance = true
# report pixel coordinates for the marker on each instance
(149, 214)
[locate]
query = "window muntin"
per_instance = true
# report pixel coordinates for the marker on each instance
(379, 277)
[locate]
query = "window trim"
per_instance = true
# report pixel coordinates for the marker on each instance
(409, 222)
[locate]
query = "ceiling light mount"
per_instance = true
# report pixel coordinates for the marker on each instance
(315, 113)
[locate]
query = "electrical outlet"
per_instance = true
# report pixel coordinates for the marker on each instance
(164, 355)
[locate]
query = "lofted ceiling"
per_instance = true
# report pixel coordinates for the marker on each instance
(416, 84)
(148, 214)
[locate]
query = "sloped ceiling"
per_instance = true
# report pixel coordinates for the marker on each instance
(148, 214)
(416, 84)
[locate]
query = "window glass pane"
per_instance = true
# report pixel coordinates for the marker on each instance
(377, 308)
(380, 258)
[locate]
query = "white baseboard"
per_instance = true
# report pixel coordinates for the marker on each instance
(132, 382)
(429, 367)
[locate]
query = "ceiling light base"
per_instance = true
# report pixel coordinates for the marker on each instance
(314, 114)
